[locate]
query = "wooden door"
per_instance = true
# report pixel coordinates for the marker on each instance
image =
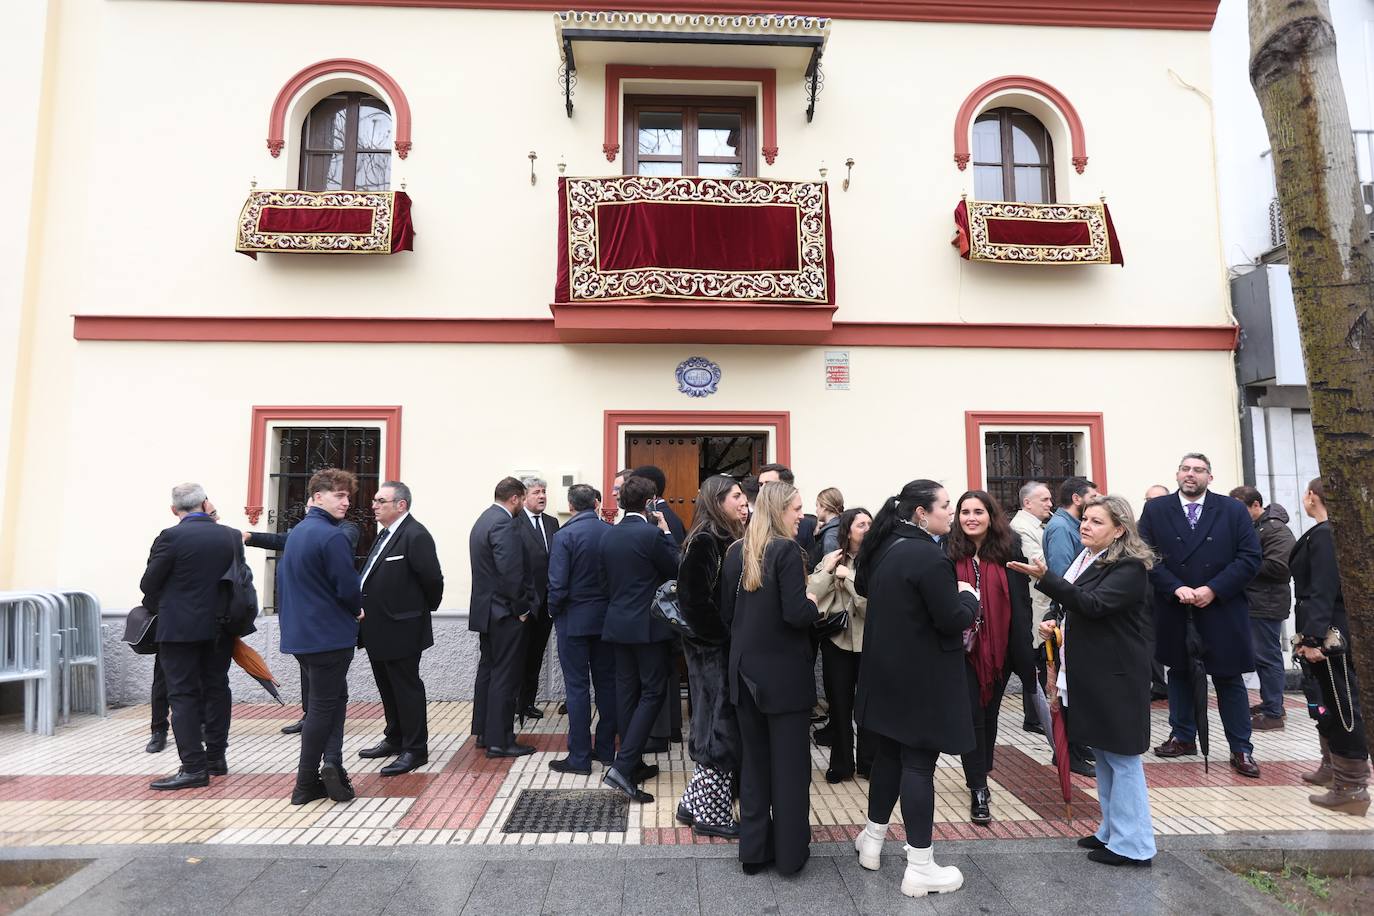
(679, 457)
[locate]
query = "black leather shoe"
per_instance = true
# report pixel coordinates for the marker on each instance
(563, 766)
(479, 742)
(980, 806)
(625, 787)
(645, 772)
(656, 746)
(157, 743)
(514, 750)
(685, 817)
(1245, 765)
(562, 709)
(532, 712)
(336, 782)
(294, 728)
(182, 780)
(1091, 842)
(1176, 748)
(217, 766)
(1033, 727)
(1082, 768)
(835, 777)
(822, 736)
(1107, 857)
(377, 751)
(311, 791)
(729, 831)
(753, 868)
(408, 761)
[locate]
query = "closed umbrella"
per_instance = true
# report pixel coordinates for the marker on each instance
(1059, 731)
(250, 661)
(1193, 644)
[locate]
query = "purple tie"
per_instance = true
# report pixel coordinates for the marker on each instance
(1193, 509)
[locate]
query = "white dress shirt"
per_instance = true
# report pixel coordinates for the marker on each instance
(380, 549)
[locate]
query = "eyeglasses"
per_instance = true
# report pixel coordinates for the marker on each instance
(378, 501)
(1200, 469)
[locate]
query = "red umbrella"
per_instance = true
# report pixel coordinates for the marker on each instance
(1061, 732)
(250, 661)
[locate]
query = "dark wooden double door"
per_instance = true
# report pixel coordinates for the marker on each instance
(688, 458)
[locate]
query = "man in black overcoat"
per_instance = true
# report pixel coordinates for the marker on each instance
(182, 586)
(1208, 555)
(402, 585)
(538, 529)
(501, 603)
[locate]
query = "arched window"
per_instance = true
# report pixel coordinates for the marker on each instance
(346, 144)
(1013, 158)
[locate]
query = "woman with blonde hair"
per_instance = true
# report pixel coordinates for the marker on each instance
(763, 599)
(1106, 643)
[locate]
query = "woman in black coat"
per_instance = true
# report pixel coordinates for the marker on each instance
(1104, 675)
(772, 684)
(1320, 609)
(913, 660)
(981, 544)
(707, 804)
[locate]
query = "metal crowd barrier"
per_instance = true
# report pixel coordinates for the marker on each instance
(51, 641)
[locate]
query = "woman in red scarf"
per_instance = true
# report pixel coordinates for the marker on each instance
(981, 545)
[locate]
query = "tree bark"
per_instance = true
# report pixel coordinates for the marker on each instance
(1293, 70)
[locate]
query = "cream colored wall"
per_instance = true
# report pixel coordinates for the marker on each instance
(468, 422)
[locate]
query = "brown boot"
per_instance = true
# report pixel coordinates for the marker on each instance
(1321, 776)
(1349, 792)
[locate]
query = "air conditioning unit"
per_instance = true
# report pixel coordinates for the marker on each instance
(1367, 196)
(1278, 236)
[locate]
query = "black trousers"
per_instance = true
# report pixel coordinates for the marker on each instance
(159, 698)
(840, 671)
(322, 732)
(197, 676)
(497, 688)
(536, 642)
(775, 786)
(305, 689)
(403, 702)
(641, 676)
(669, 718)
(978, 762)
(1341, 698)
(908, 773)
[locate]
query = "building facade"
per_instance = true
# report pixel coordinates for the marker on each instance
(552, 313)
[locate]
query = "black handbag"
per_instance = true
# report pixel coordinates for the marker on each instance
(140, 631)
(832, 624)
(666, 608)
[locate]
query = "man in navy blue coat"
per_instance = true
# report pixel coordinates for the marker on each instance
(1209, 553)
(577, 603)
(636, 558)
(318, 609)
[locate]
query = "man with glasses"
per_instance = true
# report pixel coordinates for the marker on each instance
(402, 585)
(1208, 555)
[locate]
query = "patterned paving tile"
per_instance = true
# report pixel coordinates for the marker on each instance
(89, 785)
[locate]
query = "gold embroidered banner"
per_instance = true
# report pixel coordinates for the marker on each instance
(326, 222)
(1017, 233)
(723, 239)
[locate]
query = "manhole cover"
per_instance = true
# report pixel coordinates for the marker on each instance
(572, 810)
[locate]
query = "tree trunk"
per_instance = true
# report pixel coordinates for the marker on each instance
(1293, 70)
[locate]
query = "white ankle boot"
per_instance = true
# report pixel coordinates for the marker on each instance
(869, 844)
(923, 876)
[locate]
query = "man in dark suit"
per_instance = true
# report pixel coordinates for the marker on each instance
(636, 558)
(668, 723)
(501, 603)
(1209, 553)
(182, 586)
(402, 585)
(577, 603)
(658, 504)
(537, 528)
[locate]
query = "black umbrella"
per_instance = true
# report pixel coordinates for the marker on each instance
(1192, 642)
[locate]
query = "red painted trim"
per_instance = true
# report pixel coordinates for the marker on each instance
(975, 420)
(616, 73)
(964, 120)
(276, 124)
(186, 329)
(1190, 15)
(257, 443)
(617, 420)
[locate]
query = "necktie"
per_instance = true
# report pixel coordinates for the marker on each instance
(1193, 509)
(376, 549)
(539, 526)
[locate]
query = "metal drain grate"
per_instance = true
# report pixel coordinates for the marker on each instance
(572, 810)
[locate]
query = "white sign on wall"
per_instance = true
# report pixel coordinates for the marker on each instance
(836, 370)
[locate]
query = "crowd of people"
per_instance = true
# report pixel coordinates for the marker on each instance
(919, 614)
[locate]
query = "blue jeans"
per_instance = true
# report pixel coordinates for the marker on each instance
(1267, 635)
(588, 663)
(1232, 702)
(1125, 802)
